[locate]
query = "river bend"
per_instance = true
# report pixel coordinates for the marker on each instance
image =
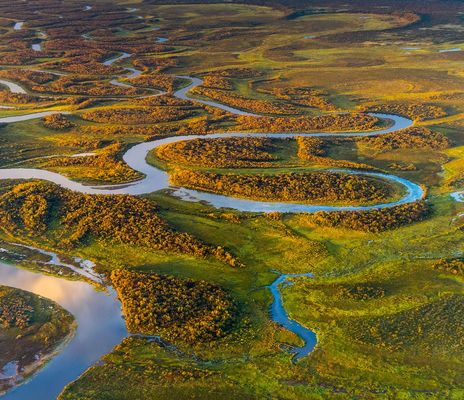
(98, 314)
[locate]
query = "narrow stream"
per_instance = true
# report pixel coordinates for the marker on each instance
(112, 60)
(279, 315)
(98, 314)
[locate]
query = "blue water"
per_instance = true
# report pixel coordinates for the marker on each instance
(279, 315)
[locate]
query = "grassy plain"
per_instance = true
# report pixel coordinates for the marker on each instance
(388, 324)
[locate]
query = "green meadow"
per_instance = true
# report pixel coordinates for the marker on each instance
(389, 325)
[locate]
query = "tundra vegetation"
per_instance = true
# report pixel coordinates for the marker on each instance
(29, 325)
(386, 300)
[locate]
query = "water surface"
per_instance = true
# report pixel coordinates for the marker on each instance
(157, 179)
(112, 60)
(279, 315)
(450, 50)
(100, 327)
(13, 87)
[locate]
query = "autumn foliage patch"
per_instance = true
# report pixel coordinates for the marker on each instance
(173, 308)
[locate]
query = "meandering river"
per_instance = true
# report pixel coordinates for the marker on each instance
(98, 314)
(13, 87)
(280, 316)
(99, 328)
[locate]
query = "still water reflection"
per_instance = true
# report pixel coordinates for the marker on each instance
(100, 328)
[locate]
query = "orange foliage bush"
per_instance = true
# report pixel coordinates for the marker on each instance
(173, 308)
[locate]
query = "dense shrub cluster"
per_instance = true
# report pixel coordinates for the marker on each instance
(372, 220)
(310, 147)
(84, 64)
(453, 266)
(18, 58)
(359, 292)
(57, 122)
(418, 112)
(165, 100)
(195, 126)
(27, 76)
(85, 87)
(141, 115)
(313, 149)
(217, 81)
(158, 64)
(301, 187)
(104, 166)
(220, 153)
(15, 310)
(307, 97)
(160, 81)
(27, 209)
(16, 98)
(412, 138)
(333, 122)
(173, 308)
(235, 100)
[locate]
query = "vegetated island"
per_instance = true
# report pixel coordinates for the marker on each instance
(32, 329)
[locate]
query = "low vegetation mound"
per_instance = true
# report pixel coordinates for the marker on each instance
(57, 122)
(302, 187)
(22, 310)
(16, 98)
(104, 166)
(425, 328)
(359, 292)
(453, 266)
(226, 96)
(70, 219)
(30, 326)
(303, 96)
(15, 312)
(326, 122)
(149, 370)
(372, 220)
(84, 86)
(313, 149)
(195, 126)
(412, 138)
(235, 152)
(155, 80)
(140, 115)
(418, 112)
(173, 308)
(27, 77)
